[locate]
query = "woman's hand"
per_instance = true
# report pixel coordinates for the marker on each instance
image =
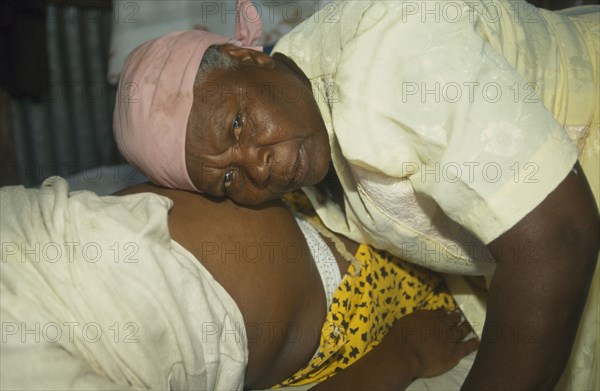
(433, 339)
(422, 344)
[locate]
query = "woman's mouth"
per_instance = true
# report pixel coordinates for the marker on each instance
(301, 167)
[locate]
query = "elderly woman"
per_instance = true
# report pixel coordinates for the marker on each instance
(444, 132)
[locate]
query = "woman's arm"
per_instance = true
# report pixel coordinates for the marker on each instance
(538, 292)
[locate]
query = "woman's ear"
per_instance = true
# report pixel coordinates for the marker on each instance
(249, 56)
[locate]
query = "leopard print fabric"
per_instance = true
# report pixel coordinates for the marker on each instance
(374, 293)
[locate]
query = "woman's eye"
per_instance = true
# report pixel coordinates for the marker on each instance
(237, 126)
(227, 179)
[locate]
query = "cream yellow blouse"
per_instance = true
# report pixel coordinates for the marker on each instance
(446, 119)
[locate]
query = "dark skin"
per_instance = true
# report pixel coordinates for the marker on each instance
(254, 136)
(545, 266)
(541, 292)
(274, 291)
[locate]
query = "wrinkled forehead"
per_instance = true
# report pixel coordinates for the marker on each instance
(205, 124)
(233, 84)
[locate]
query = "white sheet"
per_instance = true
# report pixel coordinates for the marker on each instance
(95, 295)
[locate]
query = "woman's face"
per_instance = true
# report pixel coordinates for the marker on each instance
(255, 132)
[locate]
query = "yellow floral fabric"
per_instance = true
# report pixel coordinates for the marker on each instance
(372, 296)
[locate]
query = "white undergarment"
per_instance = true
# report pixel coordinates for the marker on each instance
(323, 257)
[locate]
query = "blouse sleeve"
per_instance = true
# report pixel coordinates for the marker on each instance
(452, 115)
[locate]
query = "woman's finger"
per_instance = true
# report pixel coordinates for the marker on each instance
(464, 329)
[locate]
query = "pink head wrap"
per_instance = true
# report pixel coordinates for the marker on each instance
(155, 97)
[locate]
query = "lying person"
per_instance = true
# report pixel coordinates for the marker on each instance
(165, 289)
(442, 132)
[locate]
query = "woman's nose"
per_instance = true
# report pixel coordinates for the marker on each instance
(257, 164)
